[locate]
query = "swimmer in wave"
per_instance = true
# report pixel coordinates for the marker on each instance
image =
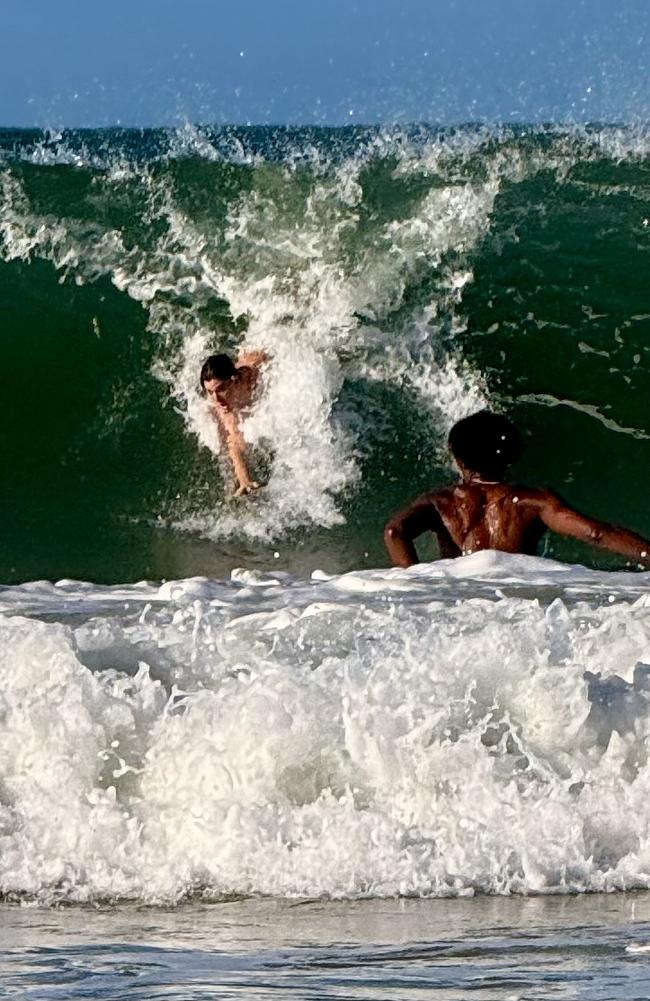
(231, 388)
(486, 512)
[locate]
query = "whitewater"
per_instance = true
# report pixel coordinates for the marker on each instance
(274, 712)
(238, 754)
(398, 279)
(470, 726)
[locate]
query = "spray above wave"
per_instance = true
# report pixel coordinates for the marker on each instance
(349, 255)
(439, 732)
(469, 727)
(291, 255)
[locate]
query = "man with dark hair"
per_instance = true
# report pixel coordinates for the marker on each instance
(230, 387)
(485, 512)
(220, 367)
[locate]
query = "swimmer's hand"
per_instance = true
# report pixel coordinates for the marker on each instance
(246, 488)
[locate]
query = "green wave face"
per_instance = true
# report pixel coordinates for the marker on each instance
(399, 280)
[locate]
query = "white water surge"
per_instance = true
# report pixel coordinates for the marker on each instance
(477, 725)
(293, 264)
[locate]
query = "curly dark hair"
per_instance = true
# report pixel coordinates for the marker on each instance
(486, 443)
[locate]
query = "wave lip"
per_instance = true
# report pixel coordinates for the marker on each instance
(400, 279)
(471, 726)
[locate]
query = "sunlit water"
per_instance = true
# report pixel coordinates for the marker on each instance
(399, 279)
(369, 784)
(425, 783)
(488, 949)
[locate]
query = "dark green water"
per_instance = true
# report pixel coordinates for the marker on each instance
(399, 281)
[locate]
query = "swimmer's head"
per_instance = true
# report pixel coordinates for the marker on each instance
(217, 367)
(485, 443)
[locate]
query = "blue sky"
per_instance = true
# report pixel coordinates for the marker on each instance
(151, 62)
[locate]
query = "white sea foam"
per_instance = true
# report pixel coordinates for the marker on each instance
(287, 272)
(317, 280)
(283, 262)
(477, 725)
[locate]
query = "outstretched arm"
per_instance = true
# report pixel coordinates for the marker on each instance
(236, 445)
(404, 527)
(565, 521)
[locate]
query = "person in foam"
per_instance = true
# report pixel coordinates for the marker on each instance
(486, 512)
(230, 388)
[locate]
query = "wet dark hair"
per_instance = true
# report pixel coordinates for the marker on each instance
(485, 443)
(217, 367)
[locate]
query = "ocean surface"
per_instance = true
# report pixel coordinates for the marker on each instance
(487, 949)
(238, 755)
(400, 280)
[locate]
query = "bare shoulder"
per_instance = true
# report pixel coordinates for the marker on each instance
(535, 496)
(539, 504)
(544, 498)
(252, 359)
(441, 497)
(443, 493)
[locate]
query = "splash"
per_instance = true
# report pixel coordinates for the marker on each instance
(467, 727)
(349, 257)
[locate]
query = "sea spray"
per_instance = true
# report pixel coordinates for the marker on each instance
(471, 726)
(398, 279)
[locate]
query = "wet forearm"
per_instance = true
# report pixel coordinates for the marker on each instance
(237, 453)
(400, 547)
(406, 526)
(235, 444)
(562, 519)
(623, 542)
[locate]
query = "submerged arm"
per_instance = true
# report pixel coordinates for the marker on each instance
(404, 527)
(565, 521)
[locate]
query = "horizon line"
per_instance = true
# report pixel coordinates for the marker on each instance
(348, 126)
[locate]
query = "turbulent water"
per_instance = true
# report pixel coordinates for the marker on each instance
(399, 281)
(467, 727)
(490, 949)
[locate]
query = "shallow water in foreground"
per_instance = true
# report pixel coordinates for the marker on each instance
(488, 949)
(461, 730)
(240, 788)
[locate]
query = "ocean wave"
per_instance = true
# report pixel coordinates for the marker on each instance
(471, 726)
(400, 279)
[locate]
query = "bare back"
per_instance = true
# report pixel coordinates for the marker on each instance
(491, 516)
(476, 514)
